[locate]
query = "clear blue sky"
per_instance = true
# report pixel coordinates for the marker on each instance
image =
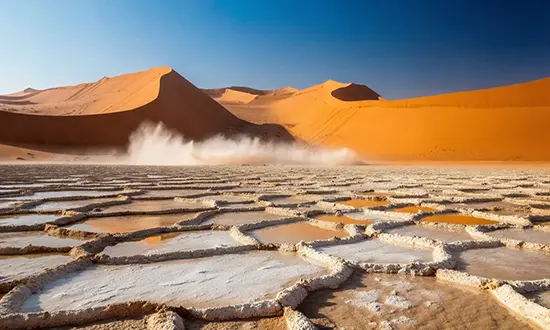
(400, 48)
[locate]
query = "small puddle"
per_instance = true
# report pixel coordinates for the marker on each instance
(153, 205)
(414, 209)
(377, 251)
(19, 267)
(213, 281)
(239, 218)
(129, 223)
(505, 263)
(27, 219)
(458, 219)
(359, 203)
(528, 235)
(22, 239)
(438, 234)
(405, 302)
(172, 242)
(295, 232)
(343, 219)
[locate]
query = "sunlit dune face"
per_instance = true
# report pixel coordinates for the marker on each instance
(359, 203)
(414, 209)
(342, 219)
(458, 219)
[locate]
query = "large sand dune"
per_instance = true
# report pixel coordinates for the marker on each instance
(505, 123)
(106, 112)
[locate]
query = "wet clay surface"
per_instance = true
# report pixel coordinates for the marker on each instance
(125, 224)
(505, 263)
(405, 302)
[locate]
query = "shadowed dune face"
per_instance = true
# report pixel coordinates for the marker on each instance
(355, 92)
(108, 111)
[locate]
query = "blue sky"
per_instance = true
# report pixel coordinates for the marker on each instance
(400, 48)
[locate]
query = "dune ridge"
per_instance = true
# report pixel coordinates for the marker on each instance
(499, 124)
(106, 113)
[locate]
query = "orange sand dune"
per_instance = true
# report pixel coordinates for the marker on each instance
(505, 123)
(245, 95)
(106, 112)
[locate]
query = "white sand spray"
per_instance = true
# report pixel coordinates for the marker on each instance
(156, 145)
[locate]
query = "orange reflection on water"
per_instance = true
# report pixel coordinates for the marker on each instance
(343, 219)
(414, 209)
(358, 203)
(456, 219)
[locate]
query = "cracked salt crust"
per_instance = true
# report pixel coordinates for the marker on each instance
(527, 235)
(439, 234)
(172, 242)
(377, 251)
(65, 193)
(69, 205)
(505, 263)
(22, 239)
(152, 205)
(213, 281)
(28, 219)
(19, 267)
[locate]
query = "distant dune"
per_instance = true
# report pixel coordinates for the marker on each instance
(106, 112)
(245, 95)
(499, 124)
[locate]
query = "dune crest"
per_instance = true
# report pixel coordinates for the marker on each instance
(105, 113)
(498, 124)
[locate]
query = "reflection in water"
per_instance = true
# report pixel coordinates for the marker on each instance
(294, 233)
(343, 219)
(414, 209)
(236, 218)
(358, 203)
(456, 219)
(125, 224)
(159, 239)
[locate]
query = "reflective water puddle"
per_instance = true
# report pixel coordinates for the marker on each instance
(414, 209)
(237, 218)
(172, 242)
(129, 223)
(343, 219)
(294, 233)
(505, 263)
(458, 219)
(359, 203)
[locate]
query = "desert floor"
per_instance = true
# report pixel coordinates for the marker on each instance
(278, 247)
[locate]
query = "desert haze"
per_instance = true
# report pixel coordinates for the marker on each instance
(499, 124)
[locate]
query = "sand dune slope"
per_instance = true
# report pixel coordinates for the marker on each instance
(507, 123)
(105, 113)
